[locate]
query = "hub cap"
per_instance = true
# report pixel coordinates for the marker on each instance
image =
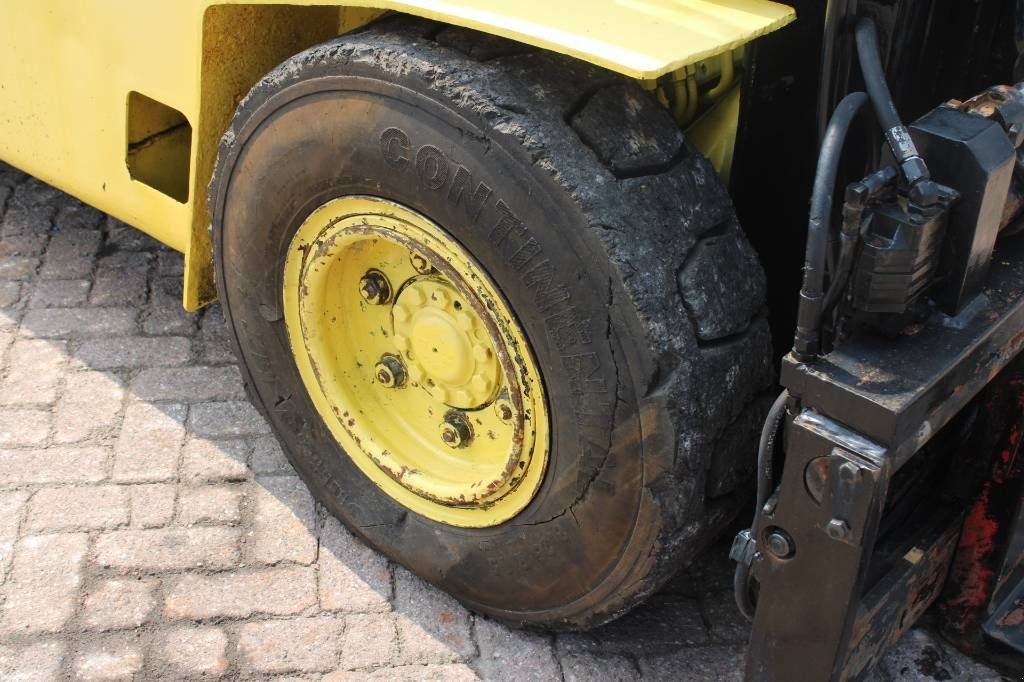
(415, 362)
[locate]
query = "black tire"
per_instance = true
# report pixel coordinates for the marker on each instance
(642, 300)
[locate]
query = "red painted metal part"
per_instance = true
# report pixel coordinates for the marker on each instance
(986, 531)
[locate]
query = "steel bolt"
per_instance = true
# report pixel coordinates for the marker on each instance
(390, 372)
(455, 431)
(375, 288)
(420, 263)
(838, 529)
(779, 544)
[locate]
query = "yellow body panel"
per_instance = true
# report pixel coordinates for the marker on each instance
(70, 66)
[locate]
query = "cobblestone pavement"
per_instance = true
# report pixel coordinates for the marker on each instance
(151, 528)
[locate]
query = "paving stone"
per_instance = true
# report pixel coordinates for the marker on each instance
(432, 627)
(215, 337)
(111, 659)
(171, 263)
(12, 504)
(10, 294)
(353, 577)
(583, 658)
(118, 604)
(149, 444)
(727, 625)
(168, 549)
(34, 662)
(75, 215)
(59, 293)
(6, 555)
(152, 504)
(23, 427)
(67, 268)
(661, 626)
(370, 641)
(269, 458)
(205, 461)
(135, 351)
(277, 591)
(34, 192)
(696, 663)
(89, 406)
(168, 320)
(79, 322)
(69, 244)
(168, 288)
(513, 654)
(209, 504)
(6, 341)
(453, 672)
(128, 260)
(188, 383)
(77, 508)
(227, 420)
(22, 220)
(10, 176)
(52, 465)
(34, 372)
(17, 267)
(40, 593)
(119, 286)
(193, 651)
(587, 667)
(293, 645)
(23, 245)
(124, 237)
(283, 522)
(9, 321)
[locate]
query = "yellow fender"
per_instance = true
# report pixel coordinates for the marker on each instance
(121, 103)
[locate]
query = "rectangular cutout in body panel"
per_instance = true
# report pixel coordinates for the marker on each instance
(159, 146)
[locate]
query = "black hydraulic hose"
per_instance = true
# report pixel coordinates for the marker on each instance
(896, 134)
(766, 450)
(812, 297)
(741, 591)
(765, 477)
(874, 75)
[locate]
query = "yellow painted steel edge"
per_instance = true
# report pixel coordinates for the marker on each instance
(637, 38)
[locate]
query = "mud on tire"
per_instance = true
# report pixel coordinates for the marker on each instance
(617, 247)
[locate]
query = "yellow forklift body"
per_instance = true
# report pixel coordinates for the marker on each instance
(121, 103)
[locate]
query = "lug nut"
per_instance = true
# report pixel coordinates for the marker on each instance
(420, 263)
(375, 288)
(455, 431)
(390, 372)
(838, 529)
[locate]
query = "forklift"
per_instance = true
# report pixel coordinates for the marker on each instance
(517, 285)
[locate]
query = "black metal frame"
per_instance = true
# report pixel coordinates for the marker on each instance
(828, 604)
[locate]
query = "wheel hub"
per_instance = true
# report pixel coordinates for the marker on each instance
(445, 344)
(415, 362)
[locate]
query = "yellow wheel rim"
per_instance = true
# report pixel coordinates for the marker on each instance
(415, 362)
